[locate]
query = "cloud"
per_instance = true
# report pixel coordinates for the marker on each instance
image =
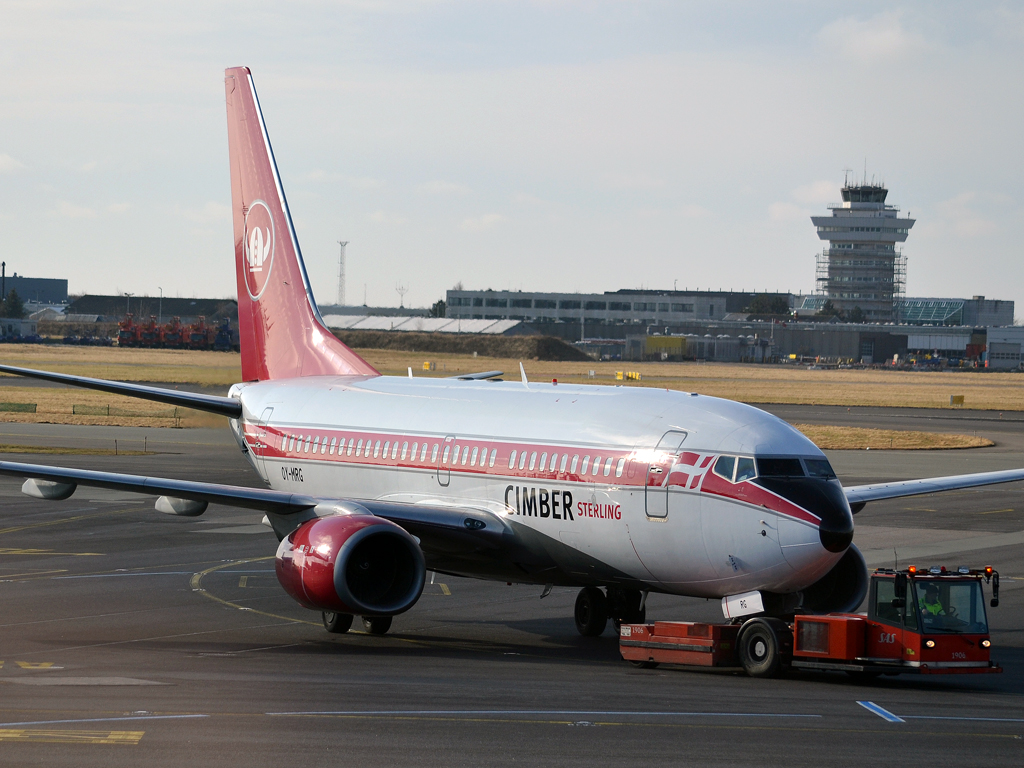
(365, 182)
(962, 219)
(880, 38)
(72, 211)
(817, 192)
(633, 181)
(8, 164)
(481, 223)
(787, 212)
(441, 187)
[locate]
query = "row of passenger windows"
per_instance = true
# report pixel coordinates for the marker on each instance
(459, 454)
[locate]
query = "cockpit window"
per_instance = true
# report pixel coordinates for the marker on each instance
(745, 469)
(776, 467)
(819, 468)
(724, 467)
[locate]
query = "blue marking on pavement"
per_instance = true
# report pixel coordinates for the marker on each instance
(885, 714)
(407, 712)
(103, 720)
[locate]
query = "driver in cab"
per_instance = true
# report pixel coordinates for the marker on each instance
(931, 605)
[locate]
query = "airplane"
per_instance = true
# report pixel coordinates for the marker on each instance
(373, 480)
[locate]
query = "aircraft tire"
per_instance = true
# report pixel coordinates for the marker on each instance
(337, 623)
(764, 647)
(591, 612)
(377, 625)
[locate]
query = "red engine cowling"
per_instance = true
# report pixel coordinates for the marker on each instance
(357, 564)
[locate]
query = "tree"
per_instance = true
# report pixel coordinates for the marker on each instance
(438, 309)
(856, 315)
(768, 305)
(828, 309)
(13, 306)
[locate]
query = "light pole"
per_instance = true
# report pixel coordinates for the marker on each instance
(128, 303)
(160, 311)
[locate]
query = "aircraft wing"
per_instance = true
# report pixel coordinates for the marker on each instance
(225, 406)
(440, 528)
(859, 495)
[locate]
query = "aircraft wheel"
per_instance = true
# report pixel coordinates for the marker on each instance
(764, 647)
(624, 607)
(591, 612)
(337, 623)
(377, 625)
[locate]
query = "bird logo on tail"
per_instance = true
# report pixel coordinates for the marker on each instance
(259, 247)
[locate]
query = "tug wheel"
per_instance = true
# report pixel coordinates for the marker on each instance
(591, 612)
(337, 623)
(764, 647)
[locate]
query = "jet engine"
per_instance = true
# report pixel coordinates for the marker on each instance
(357, 564)
(842, 589)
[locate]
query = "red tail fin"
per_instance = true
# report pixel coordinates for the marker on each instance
(280, 329)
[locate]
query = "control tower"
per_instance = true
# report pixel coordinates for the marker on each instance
(861, 266)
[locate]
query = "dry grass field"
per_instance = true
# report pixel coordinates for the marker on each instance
(830, 438)
(749, 383)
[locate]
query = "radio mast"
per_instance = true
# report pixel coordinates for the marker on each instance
(341, 273)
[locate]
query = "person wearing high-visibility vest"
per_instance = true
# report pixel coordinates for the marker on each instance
(930, 603)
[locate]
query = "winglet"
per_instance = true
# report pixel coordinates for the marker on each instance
(523, 372)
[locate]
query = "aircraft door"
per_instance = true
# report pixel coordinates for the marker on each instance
(444, 461)
(261, 442)
(663, 458)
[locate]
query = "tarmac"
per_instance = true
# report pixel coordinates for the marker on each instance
(128, 637)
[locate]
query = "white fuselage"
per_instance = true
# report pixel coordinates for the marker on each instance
(649, 516)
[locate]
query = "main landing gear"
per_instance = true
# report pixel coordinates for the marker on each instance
(340, 623)
(594, 608)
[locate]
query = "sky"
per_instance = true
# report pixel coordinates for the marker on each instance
(544, 146)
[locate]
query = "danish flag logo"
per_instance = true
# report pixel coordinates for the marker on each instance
(258, 247)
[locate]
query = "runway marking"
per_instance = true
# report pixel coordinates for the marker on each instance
(979, 719)
(120, 575)
(51, 736)
(444, 589)
(126, 718)
(9, 576)
(37, 665)
(996, 511)
(197, 579)
(70, 519)
(511, 712)
(11, 551)
(885, 714)
(243, 581)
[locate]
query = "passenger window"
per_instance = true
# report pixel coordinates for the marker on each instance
(522, 460)
(554, 462)
(444, 458)
(415, 451)
(619, 467)
(586, 465)
(608, 466)
(543, 461)
(745, 469)
(512, 460)
(575, 462)
(376, 449)
(323, 446)
(494, 456)
(565, 459)
(359, 448)
(316, 443)
(405, 450)
(291, 443)
(351, 444)
(334, 442)
(394, 451)
(724, 467)
(597, 464)
(455, 454)
(369, 448)
(533, 460)
(465, 455)
(305, 447)
(472, 461)
(384, 453)
(423, 456)
(433, 454)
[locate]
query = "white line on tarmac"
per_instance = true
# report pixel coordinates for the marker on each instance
(406, 712)
(885, 714)
(103, 720)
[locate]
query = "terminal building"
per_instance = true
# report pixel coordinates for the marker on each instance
(861, 271)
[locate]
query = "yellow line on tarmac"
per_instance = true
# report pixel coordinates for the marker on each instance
(9, 551)
(54, 736)
(444, 589)
(4, 576)
(197, 580)
(994, 511)
(68, 520)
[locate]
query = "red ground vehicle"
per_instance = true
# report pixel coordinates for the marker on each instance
(199, 335)
(919, 622)
(127, 332)
(172, 334)
(149, 333)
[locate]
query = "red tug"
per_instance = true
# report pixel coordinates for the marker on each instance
(918, 622)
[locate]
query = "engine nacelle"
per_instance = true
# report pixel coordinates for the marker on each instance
(842, 589)
(357, 564)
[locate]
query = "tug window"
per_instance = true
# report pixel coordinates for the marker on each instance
(565, 458)
(433, 454)
(543, 461)
(472, 462)
(522, 460)
(586, 465)
(619, 467)
(405, 450)
(745, 469)
(575, 461)
(494, 456)
(334, 442)
(512, 460)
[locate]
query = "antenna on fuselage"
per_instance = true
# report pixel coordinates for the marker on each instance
(410, 371)
(523, 372)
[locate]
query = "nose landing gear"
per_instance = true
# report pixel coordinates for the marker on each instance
(594, 608)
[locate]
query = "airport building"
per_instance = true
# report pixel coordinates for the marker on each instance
(861, 270)
(37, 290)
